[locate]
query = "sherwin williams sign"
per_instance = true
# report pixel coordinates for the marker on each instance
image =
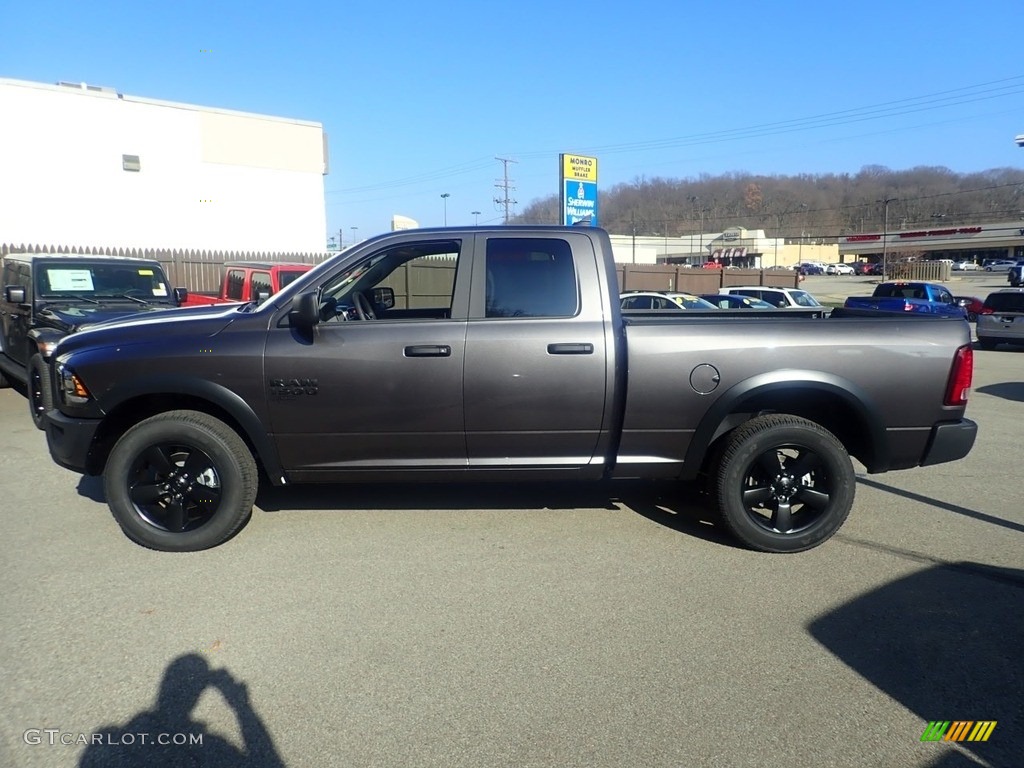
(578, 185)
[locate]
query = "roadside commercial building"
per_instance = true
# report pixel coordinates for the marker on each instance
(735, 246)
(975, 242)
(85, 166)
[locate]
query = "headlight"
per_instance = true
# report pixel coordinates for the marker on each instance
(72, 389)
(46, 348)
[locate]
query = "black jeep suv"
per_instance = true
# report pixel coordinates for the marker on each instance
(47, 296)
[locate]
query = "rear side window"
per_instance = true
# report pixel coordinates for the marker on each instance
(1005, 302)
(236, 283)
(530, 277)
(287, 277)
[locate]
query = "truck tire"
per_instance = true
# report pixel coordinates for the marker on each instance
(784, 484)
(180, 481)
(40, 394)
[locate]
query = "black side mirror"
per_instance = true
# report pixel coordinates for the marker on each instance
(305, 311)
(262, 296)
(14, 294)
(384, 297)
(180, 296)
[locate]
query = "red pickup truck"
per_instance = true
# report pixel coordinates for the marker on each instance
(250, 281)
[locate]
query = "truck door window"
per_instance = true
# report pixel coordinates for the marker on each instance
(421, 275)
(530, 277)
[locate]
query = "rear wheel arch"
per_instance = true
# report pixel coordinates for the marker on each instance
(839, 406)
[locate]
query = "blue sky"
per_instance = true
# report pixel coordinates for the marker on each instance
(419, 99)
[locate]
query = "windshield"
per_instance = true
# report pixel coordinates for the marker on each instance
(803, 299)
(101, 281)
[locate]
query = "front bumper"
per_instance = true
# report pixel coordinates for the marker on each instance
(70, 440)
(950, 441)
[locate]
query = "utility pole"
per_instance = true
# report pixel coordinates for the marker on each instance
(506, 189)
(633, 219)
(885, 235)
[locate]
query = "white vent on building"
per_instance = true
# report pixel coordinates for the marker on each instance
(90, 88)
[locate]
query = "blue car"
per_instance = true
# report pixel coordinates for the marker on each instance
(735, 301)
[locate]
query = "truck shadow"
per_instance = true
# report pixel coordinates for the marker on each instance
(945, 643)
(675, 506)
(1008, 390)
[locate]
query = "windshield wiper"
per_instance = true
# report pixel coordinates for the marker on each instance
(64, 299)
(130, 298)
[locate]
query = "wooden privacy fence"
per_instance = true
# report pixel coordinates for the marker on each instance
(667, 277)
(200, 270)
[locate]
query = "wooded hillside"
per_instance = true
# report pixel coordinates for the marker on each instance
(821, 207)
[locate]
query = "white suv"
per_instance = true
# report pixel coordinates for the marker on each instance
(777, 297)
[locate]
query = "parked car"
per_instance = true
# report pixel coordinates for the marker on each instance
(778, 297)
(811, 268)
(965, 266)
(1015, 276)
(866, 268)
(972, 306)
(47, 296)
(734, 301)
(906, 296)
(659, 300)
(250, 281)
(1001, 320)
(999, 265)
(839, 269)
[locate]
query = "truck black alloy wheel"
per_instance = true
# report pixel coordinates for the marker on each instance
(40, 395)
(180, 481)
(785, 484)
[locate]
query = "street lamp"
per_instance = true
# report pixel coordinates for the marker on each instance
(445, 196)
(476, 217)
(354, 235)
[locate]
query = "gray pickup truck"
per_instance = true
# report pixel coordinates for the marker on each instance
(495, 354)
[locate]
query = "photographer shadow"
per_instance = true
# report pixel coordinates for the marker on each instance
(169, 735)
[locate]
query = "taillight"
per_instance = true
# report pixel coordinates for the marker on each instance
(960, 377)
(985, 311)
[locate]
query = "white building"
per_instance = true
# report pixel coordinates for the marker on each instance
(83, 166)
(735, 246)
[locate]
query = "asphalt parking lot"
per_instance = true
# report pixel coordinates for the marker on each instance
(520, 625)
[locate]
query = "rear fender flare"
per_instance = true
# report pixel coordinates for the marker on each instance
(737, 402)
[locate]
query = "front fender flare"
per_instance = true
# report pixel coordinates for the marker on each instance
(163, 385)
